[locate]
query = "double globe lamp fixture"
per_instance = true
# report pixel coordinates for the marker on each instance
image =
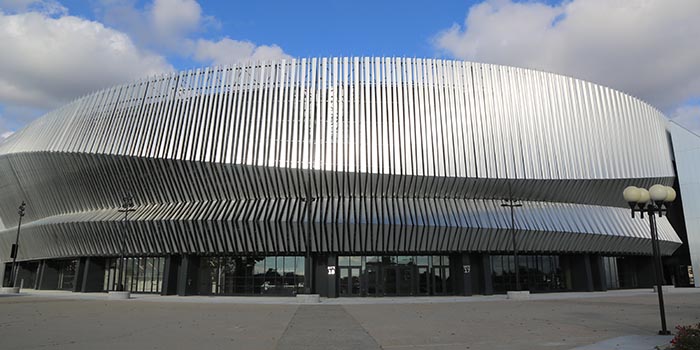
(653, 200)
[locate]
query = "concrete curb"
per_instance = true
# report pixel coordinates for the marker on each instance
(119, 295)
(308, 298)
(9, 290)
(665, 289)
(519, 295)
(346, 301)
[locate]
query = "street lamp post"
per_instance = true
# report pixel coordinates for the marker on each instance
(15, 247)
(512, 204)
(126, 207)
(653, 201)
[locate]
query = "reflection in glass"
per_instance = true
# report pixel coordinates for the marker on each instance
(538, 273)
(371, 275)
(423, 277)
(372, 259)
(355, 283)
(344, 275)
(404, 260)
(438, 281)
(390, 280)
(141, 274)
(250, 275)
(66, 274)
(394, 275)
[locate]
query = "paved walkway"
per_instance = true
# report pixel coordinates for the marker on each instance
(630, 342)
(615, 320)
(272, 300)
(323, 328)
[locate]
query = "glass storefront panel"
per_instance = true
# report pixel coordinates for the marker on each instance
(393, 275)
(344, 285)
(422, 260)
(370, 279)
(355, 281)
(423, 277)
(66, 274)
(538, 273)
(438, 281)
(251, 275)
(26, 274)
(404, 260)
(141, 274)
(612, 279)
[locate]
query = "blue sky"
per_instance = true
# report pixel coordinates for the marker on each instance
(55, 51)
(338, 27)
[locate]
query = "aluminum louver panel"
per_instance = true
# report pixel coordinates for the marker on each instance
(398, 133)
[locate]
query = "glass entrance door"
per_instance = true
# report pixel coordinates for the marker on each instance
(393, 275)
(371, 280)
(405, 279)
(423, 280)
(399, 280)
(390, 273)
(349, 282)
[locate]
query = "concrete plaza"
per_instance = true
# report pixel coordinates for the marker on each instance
(605, 320)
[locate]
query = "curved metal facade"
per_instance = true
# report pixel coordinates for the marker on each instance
(402, 155)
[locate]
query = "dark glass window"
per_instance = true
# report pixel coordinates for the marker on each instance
(394, 275)
(66, 274)
(251, 275)
(141, 274)
(538, 273)
(612, 280)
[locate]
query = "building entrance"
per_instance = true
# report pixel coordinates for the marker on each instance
(394, 275)
(400, 280)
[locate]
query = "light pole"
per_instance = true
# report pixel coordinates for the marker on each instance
(655, 200)
(308, 269)
(126, 207)
(512, 204)
(15, 247)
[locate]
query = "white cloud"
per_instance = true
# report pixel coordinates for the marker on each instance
(162, 24)
(48, 58)
(47, 7)
(175, 17)
(173, 26)
(227, 51)
(688, 116)
(47, 61)
(648, 48)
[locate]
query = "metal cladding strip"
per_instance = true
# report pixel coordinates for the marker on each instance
(83, 182)
(499, 114)
(97, 232)
(388, 134)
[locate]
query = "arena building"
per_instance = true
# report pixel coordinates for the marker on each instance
(347, 177)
